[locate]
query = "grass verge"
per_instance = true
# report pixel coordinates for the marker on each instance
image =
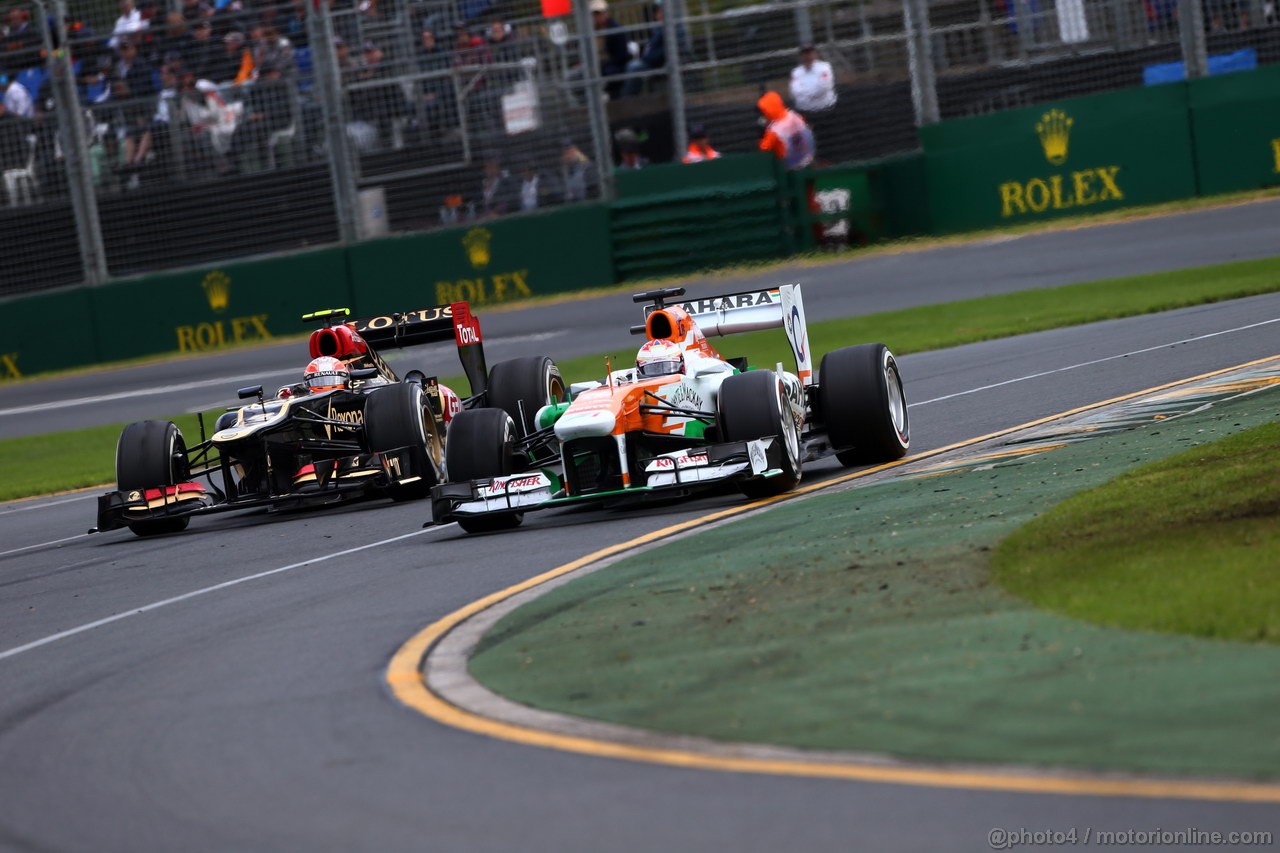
(40, 464)
(76, 458)
(1188, 545)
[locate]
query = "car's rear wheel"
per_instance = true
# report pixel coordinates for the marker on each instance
(521, 386)
(480, 446)
(152, 455)
(752, 406)
(396, 416)
(863, 404)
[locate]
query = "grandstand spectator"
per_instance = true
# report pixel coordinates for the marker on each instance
(438, 97)
(376, 111)
(295, 27)
(471, 52)
(200, 52)
(499, 192)
(235, 65)
(504, 46)
(630, 147)
(194, 10)
(813, 83)
(654, 55)
(272, 49)
(15, 147)
(699, 150)
(133, 91)
(577, 173)
(342, 52)
(534, 192)
(615, 54)
(49, 166)
(17, 100)
(269, 108)
(170, 40)
(131, 21)
(22, 41)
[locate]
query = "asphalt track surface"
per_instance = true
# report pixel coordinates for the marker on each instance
(866, 285)
(224, 689)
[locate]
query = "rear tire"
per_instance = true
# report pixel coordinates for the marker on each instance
(481, 445)
(863, 404)
(151, 455)
(396, 416)
(753, 405)
(533, 380)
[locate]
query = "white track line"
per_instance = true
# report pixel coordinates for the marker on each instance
(1095, 361)
(156, 605)
(42, 544)
(46, 504)
(125, 395)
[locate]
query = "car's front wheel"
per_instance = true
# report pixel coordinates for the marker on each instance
(152, 455)
(521, 386)
(481, 445)
(752, 406)
(396, 416)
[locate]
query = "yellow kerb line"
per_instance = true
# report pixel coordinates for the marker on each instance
(405, 678)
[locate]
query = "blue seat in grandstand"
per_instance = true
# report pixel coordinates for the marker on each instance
(1220, 63)
(32, 79)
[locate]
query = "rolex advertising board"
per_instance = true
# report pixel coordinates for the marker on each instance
(486, 262)
(1063, 158)
(47, 331)
(209, 308)
(1236, 122)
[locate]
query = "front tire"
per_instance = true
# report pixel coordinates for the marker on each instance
(863, 404)
(480, 446)
(151, 455)
(753, 405)
(532, 380)
(396, 416)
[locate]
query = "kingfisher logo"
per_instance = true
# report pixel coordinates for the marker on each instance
(1054, 130)
(217, 289)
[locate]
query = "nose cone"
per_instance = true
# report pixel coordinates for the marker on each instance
(589, 424)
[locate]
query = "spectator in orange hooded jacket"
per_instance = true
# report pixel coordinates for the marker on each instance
(787, 135)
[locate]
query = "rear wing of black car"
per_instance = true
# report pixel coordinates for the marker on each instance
(423, 326)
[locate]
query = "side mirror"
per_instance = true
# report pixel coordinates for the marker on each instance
(249, 392)
(364, 373)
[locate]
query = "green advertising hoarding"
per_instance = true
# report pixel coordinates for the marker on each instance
(1084, 155)
(47, 331)
(212, 307)
(1236, 122)
(486, 263)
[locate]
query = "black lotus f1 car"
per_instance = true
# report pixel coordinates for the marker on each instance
(379, 435)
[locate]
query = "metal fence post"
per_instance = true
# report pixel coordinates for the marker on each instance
(593, 95)
(1195, 56)
(924, 90)
(328, 85)
(66, 101)
(673, 15)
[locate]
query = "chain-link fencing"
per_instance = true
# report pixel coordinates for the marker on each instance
(180, 132)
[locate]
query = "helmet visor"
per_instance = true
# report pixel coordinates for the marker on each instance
(661, 367)
(324, 380)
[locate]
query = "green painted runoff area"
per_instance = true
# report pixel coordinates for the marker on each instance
(867, 620)
(79, 458)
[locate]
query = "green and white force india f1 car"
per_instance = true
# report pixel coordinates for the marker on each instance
(371, 434)
(687, 420)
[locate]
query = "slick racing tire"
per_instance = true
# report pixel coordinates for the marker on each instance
(865, 409)
(150, 455)
(532, 380)
(396, 416)
(481, 445)
(752, 405)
